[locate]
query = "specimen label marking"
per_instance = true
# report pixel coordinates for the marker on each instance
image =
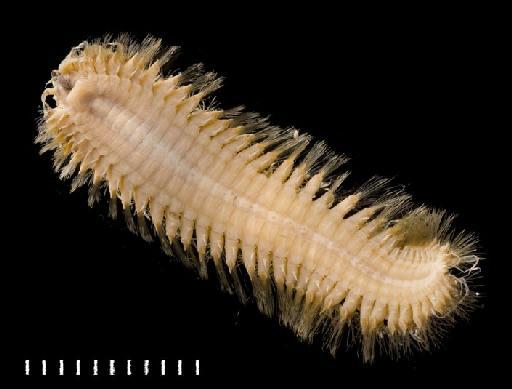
(160, 368)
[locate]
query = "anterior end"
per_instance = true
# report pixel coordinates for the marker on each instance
(63, 84)
(81, 95)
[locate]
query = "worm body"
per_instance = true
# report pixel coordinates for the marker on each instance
(259, 203)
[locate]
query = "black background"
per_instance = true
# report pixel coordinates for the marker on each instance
(417, 104)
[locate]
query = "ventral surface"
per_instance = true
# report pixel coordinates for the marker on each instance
(263, 208)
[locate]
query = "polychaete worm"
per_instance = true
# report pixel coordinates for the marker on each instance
(262, 208)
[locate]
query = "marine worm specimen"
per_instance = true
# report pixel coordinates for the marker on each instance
(258, 206)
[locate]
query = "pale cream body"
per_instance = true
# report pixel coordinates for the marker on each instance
(147, 138)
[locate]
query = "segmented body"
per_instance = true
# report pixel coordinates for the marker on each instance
(229, 188)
